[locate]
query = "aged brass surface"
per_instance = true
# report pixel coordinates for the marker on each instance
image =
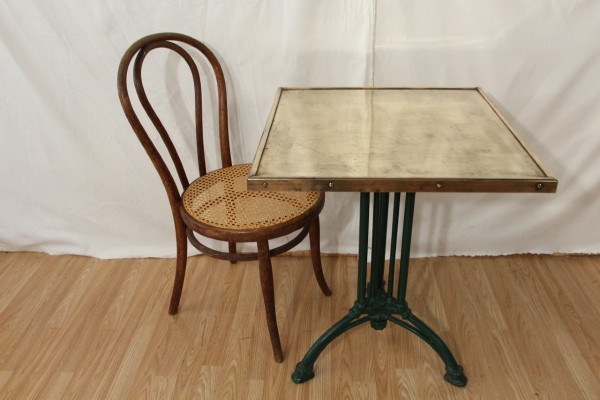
(355, 139)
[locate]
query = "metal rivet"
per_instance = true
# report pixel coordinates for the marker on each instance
(438, 185)
(330, 184)
(539, 186)
(264, 184)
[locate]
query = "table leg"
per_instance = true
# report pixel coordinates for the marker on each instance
(374, 303)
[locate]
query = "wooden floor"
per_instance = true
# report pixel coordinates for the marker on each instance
(523, 327)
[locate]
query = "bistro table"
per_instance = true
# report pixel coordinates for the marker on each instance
(382, 141)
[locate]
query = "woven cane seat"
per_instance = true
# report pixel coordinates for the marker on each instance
(220, 199)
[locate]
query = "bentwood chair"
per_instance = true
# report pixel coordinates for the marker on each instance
(217, 204)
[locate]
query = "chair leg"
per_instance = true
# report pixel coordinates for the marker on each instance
(315, 252)
(266, 281)
(180, 267)
(232, 250)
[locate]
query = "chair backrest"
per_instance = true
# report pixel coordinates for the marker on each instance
(140, 50)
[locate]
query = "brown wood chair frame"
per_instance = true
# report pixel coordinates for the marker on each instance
(186, 225)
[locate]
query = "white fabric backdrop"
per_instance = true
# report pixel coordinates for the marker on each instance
(74, 178)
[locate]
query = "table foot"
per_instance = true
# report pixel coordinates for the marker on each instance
(455, 376)
(304, 369)
(454, 372)
(303, 373)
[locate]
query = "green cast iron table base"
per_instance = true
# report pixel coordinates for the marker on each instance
(375, 302)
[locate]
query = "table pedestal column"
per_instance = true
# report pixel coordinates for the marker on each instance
(375, 302)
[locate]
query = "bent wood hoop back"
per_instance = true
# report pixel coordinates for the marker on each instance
(140, 50)
(393, 140)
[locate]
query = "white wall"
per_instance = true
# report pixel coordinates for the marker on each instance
(74, 179)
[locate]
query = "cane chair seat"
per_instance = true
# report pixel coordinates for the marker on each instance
(220, 199)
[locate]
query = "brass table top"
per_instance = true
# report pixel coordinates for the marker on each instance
(393, 140)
